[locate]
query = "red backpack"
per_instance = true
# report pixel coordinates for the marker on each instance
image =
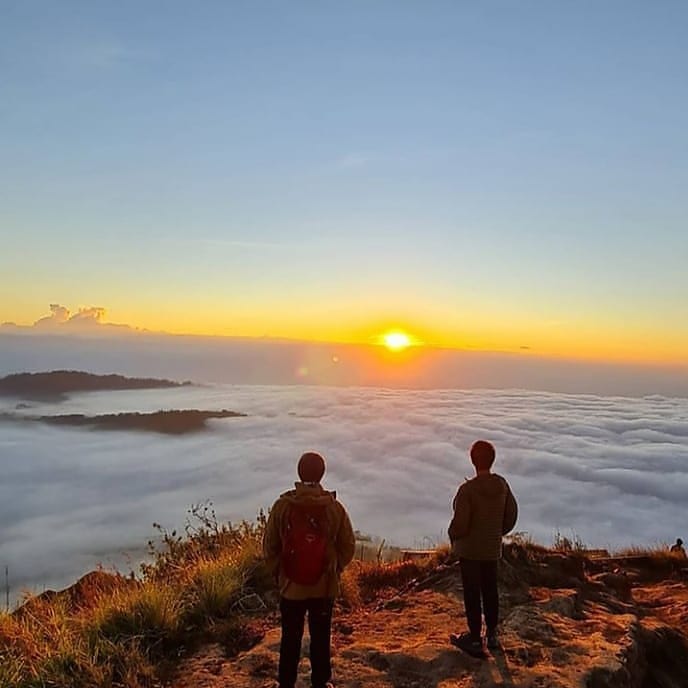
(304, 543)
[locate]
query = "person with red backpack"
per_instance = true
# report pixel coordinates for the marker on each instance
(308, 542)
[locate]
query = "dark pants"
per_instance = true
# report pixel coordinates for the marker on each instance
(319, 624)
(480, 580)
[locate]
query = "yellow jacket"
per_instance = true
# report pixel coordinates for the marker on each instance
(341, 544)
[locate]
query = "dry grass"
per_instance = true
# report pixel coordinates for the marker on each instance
(365, 582)
(660, 550)
(658, 556)
(109, 631)
(118, 632)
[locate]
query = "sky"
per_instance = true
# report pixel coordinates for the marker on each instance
(103, 349)
(611, 471)
(493, 175)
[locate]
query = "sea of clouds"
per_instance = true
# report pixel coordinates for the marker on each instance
(613, 470)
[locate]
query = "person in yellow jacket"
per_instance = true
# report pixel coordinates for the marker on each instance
(308, 542)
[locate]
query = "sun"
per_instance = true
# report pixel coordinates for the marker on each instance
(396, 341)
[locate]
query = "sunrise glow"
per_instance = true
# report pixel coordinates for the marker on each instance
(396, 341)
(381, 219)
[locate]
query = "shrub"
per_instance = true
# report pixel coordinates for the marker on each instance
(112, 631)
(213, 590)
(151, 614)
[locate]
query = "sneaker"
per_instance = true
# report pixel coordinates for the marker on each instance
(493, 640)
(470, 645)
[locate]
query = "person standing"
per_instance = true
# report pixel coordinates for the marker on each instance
(308, 542)
(484, 510)
(678, 549)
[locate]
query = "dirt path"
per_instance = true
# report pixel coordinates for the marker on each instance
(402, 646)
(557, 638)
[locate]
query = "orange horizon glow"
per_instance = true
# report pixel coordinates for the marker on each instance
(588, 339)
(563, 343)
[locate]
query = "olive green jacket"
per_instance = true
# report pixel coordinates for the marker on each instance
(484, 510)
(341, 544)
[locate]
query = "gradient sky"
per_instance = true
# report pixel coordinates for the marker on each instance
(493, 175)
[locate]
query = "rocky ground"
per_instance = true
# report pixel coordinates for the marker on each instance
(567, 621)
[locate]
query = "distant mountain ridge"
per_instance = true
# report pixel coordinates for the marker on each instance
(172, 422)
(56, 384)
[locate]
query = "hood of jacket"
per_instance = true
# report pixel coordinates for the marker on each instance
(309, 493)
(489, 486)
(485, 488)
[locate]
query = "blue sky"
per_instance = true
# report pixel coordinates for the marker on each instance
(482, 170)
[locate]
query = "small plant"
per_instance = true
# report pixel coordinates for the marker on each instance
(520, 537)
(149, 613)
(213, 591)
(380, 549)
(574, 544)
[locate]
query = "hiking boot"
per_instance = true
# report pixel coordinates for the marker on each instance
(469, 644)
(492, 640)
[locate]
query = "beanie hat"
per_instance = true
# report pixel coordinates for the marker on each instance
(311, 467)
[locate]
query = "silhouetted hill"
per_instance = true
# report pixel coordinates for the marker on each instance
(175, 422)
(56, 384)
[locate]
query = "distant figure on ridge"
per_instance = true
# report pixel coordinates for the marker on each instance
(308, 542)
(484, 510)
(678, 548)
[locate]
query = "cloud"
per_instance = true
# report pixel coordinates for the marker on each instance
(90, 319)
(58, 316)
(61, 316)
(93, 315)
(613, 470)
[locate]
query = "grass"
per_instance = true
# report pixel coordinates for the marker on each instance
(658, 550)
(572, 544)
(121, 632)
(658, 556)
(151, 614)
(111, 631)
(366, 581)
